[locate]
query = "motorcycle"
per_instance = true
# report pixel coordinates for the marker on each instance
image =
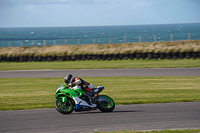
(69, 99)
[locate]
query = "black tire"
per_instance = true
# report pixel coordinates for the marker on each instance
(63, 107)
(106, 106)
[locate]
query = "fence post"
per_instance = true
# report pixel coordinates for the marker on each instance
(140, 39)
(44, 42)
(93, 40)
(124, 39)
(189, 36)
(22, 44)
(171, 36)
(54, 42)
(110, 41)
(154, 38)
(33, 43)
(78, 41)
(66, 41)
(9, 44)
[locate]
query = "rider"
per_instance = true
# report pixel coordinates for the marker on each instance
(85, 86)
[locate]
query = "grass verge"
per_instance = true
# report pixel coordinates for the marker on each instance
(119, 64)
(175, 46)
(162, 131)
(36, 93)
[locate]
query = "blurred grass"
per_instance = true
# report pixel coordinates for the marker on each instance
(119, 64)
(162, 131)
(35, 93)
(166, 46)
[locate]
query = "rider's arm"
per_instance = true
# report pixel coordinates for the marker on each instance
(77, 81)
(65, 85)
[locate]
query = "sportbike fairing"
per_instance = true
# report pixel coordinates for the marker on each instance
(74, 98)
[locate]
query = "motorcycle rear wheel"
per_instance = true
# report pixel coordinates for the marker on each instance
(63, 107)
(106, 106)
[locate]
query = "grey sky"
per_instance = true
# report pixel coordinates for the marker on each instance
(54, 13)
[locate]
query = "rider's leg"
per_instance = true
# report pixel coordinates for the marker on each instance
(95, 92)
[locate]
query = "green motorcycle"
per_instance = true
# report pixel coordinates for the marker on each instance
(69, 99)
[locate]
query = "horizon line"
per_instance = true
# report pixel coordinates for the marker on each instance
(98, 25)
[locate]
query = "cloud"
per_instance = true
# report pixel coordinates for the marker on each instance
(44, 2)
(125, 5)
(71, 2)
(29, 7)
(96, 12)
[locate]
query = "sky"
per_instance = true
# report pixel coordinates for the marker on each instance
(67, 13)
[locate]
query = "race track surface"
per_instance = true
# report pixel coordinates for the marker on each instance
(124, 117)
(102, 72)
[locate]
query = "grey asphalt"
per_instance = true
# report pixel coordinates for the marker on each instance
(102, 72)
(124, 117)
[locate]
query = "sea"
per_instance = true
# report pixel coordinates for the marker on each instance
(39, 36)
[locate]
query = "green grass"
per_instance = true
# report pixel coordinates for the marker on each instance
(119, 64)
(35, 93)
(162, 131)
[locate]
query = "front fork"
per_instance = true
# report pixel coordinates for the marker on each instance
(63, 99)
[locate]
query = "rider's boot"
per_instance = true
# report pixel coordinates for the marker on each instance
(95, 92)
(95, 95)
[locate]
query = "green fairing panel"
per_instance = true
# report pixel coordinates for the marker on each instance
(64, 91)
(79, 91)
(71, 92)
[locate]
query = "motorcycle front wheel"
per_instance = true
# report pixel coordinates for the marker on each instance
(63, 107)
(106, 106)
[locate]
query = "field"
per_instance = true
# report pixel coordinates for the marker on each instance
(35, 93)
(143, 47)
(31, 93)
(118, 64)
